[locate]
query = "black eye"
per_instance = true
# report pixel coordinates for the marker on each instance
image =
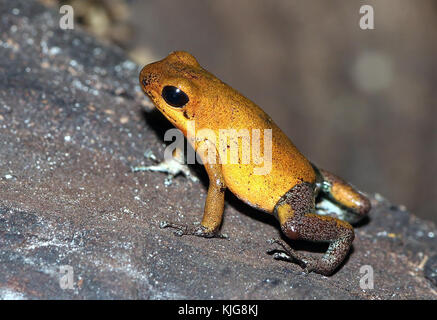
(174, 96)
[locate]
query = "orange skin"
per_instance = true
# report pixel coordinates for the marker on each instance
(214, 105)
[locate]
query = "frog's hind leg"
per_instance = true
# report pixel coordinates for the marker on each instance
(296, 214)
(354, 205)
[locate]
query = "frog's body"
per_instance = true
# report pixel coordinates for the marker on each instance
(288, 165)
(187, 94)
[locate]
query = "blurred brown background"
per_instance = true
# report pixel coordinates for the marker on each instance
(360, 103)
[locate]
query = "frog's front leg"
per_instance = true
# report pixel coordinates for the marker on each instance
(172, 166)
(214, 207)
(296, 214)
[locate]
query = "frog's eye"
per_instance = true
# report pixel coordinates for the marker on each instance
(174, 96)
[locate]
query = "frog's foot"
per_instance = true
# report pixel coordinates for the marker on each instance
(196, 230)
(161, 167)
(306, 262)
(171, 166)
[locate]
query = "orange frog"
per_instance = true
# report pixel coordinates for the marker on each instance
(191, 97)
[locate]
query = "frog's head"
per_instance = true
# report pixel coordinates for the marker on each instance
(178, 86)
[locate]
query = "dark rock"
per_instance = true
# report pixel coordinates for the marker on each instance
(431, 270)
(71, 126)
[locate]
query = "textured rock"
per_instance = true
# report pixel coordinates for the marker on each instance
(72, 123)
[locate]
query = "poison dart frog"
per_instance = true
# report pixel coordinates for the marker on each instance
(187, 94)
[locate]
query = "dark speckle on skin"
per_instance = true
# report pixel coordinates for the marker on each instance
(149, 78)
(185, 113)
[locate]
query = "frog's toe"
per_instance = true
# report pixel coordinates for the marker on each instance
(308, 263)
(180, 229)
(196, 230)
(168, 180)
(281, 256)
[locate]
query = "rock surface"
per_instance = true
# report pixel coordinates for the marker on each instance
(72, 123)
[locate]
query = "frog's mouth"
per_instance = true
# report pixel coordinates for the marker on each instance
(150, 94)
